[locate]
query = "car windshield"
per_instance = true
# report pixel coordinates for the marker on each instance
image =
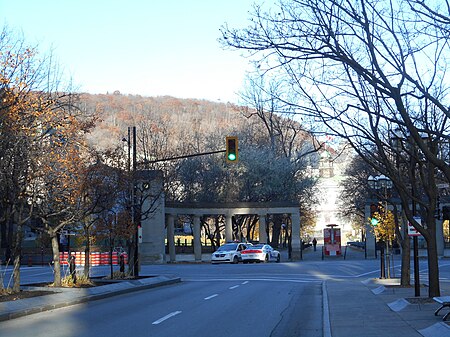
(226, 247)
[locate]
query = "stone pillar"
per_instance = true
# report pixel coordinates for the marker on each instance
(262, 228)
(370, 237)
(171, 237)
(197, 239)
(228, 227)
(149, 189)
(440, 237)
(296, 241)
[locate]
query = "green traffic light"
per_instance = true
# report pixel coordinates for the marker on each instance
(374, 221)
(232, 149)
(231, 156)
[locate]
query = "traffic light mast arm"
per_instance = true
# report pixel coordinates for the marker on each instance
(230, 141)
(182, 157)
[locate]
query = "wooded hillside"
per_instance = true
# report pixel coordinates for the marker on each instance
(182, 120)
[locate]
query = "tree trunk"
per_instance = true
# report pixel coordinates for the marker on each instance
(276, 230)
(16, 274)
(433, 265)
(405, 277)
(87, 253)
(433, 271)
(3, 234)
(111, 247)
(10, 238)
(403, 240)
(131, 260)
(56, 264)
(17, 254)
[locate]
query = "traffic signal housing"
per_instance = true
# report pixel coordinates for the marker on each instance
(232, 152)
(373, 220)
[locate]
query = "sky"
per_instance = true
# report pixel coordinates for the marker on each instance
(139, 47)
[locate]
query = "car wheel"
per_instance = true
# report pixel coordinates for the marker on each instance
(266, 259)
(235, 260)
(278, 258)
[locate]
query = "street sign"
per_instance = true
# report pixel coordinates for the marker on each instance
(139, 234)
(411, 230)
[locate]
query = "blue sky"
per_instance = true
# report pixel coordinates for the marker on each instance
(146, 47)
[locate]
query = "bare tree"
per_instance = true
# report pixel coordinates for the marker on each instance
(364, 69)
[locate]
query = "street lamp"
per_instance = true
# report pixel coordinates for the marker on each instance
(383, 183)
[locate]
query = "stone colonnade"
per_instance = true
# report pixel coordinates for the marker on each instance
(229, 210)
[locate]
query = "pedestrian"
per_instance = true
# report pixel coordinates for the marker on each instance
(72, 268)
(314, 242)
(122, 263)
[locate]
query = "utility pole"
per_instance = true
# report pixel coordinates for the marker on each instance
(135, 220)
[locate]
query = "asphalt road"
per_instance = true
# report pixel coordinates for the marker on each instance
(225, 306)
(273, 300)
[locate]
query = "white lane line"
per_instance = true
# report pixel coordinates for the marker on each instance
(233, 287)
(166, 317)
(244, 282)
(260, 279)
(326, 325)
(212, 296)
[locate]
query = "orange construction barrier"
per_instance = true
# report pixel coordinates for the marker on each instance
(104, 259)
(95, 258)
(63, 258)
(115, 259)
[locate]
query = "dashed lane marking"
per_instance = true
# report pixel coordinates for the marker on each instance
(162, 319)
(212, 296)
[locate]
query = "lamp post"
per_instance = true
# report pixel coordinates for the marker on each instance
(397, 140)
(383, 183)
(132, 168)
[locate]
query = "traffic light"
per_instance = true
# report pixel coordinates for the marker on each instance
(374, 221)
(232, 153)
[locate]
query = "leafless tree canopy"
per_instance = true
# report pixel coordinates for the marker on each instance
(369, 71)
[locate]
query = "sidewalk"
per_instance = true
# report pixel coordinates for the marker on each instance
(380, 308)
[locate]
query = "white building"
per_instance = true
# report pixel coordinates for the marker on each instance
(331, 171)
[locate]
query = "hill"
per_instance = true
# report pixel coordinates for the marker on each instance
(177, 119)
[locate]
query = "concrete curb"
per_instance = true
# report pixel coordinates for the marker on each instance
(64, 297)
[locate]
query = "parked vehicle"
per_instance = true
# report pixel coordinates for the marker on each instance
(260, 253)
(229, 253)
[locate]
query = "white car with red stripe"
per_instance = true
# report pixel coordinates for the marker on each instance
(260, 253)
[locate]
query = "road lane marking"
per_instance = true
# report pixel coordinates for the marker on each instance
(233, 287)
(326, 325)
(212, 296)
(166, 317)
(256, 279)
(244, 282)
